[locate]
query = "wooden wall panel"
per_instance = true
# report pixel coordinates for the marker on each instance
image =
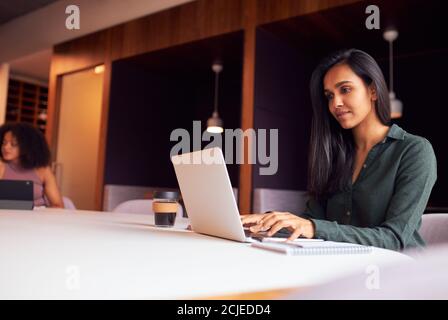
(192, 21)
(72, 56)
(79, 54)
(273, 10)
(103, 134)
(247, 110)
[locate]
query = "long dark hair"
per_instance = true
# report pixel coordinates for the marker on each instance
(332, 148)
(34, 150)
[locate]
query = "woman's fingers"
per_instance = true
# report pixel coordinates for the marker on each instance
(297, 233)
(251, 218)
(272, 214)
(276, 221)
(280, 225)
(293, 224)
(269, 220)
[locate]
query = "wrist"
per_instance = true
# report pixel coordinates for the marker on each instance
(310, 229)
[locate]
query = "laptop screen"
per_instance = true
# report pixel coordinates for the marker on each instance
(16, 194)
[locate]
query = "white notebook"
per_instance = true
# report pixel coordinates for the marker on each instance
(313, 248)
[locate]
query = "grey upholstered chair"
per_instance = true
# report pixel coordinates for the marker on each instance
(265, 199)
(116, 194)
(434, 228)
(68, 203)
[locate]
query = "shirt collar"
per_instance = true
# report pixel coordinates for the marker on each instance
(395, 132)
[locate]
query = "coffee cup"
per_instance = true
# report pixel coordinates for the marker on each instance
(165, 206)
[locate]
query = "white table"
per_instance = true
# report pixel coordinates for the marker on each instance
(61, 254)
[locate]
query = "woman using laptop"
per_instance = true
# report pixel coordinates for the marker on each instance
(369, 181)
(25, 155)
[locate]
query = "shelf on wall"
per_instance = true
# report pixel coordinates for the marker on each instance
(26, 102)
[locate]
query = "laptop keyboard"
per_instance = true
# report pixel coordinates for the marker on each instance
(250, 236)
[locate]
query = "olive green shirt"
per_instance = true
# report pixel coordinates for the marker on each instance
(384, 207)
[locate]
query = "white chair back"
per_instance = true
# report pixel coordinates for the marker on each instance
(68, 203)
(434, 228)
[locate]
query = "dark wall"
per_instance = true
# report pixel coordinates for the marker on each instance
(282, 102)
(420, 83)
(143, 111)
(154, 94)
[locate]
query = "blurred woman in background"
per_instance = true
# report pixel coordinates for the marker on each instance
(25, 155)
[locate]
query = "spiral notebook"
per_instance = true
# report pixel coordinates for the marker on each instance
(313, 248)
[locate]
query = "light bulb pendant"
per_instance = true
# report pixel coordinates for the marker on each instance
(396, 106)
(215, 123)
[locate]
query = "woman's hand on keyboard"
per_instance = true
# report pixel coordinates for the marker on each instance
(276, 220)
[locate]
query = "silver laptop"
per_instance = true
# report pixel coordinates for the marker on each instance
(208, 196)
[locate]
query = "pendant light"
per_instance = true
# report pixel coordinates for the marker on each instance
(215, 124)
(396, 106)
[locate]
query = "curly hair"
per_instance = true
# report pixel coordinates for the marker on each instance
(33, 148)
